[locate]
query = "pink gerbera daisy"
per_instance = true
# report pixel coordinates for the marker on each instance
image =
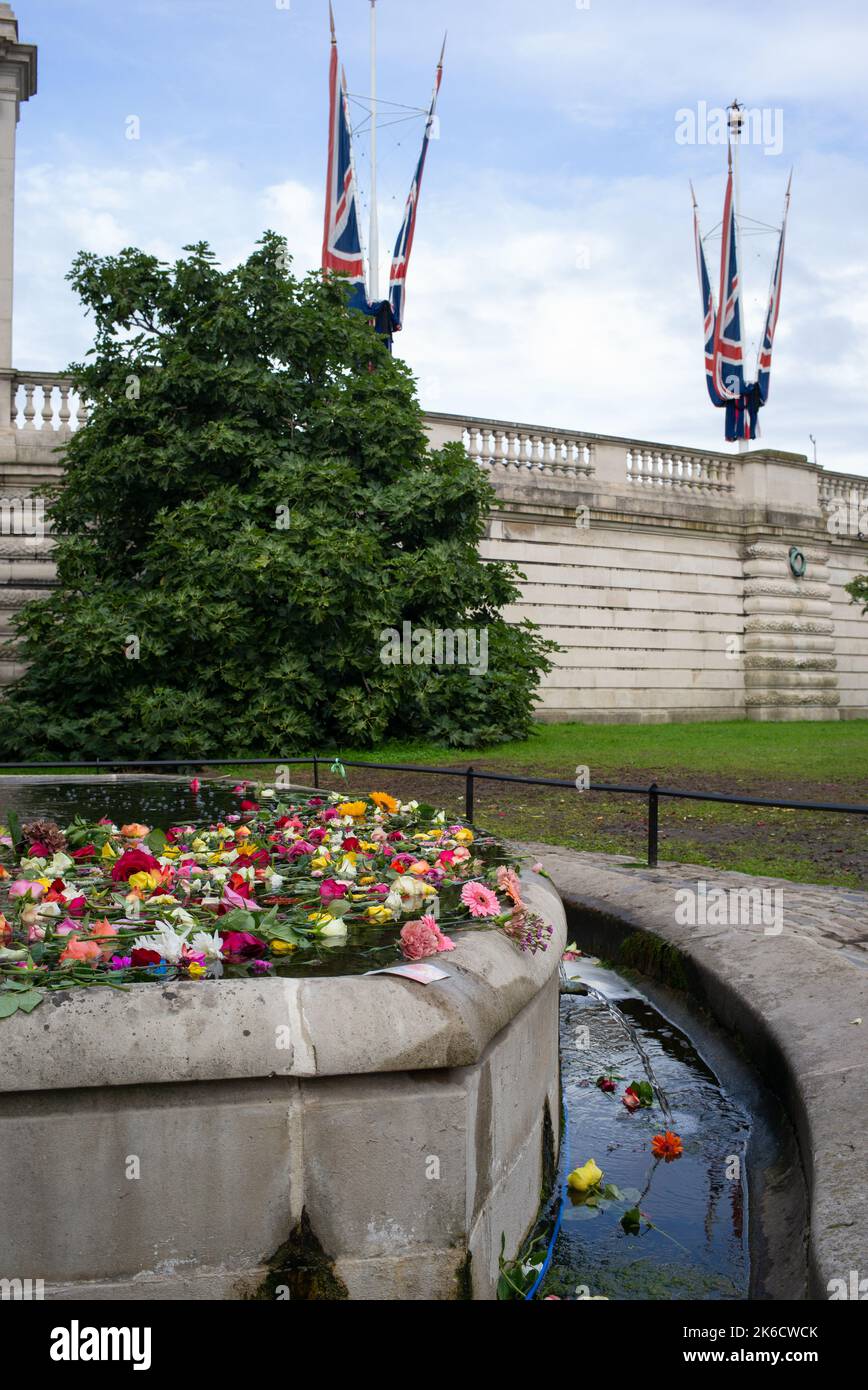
(479, 900)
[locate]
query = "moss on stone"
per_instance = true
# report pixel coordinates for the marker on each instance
(464, 1280)
(302, 1270)
(652, 956)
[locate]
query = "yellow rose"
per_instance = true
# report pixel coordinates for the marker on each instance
(108, 852)
(282, 948)
(378, 914)
(464, 837)
(583, 1179)
(321, 862)
(143, 881)
(367, 878)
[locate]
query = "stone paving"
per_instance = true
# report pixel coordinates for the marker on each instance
(836, 918)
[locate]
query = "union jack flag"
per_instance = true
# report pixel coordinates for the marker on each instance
(342, 242)
(764, 366)
(722, 326)
(404, 244)
(709, 313)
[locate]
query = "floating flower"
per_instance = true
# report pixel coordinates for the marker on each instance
(85, 951)
(667, 1146)
(479, 900)
(133, 861)
(424, 938)
(630, 1099)
(135, 831)
(584, 1178)
(22, 887)
(209, 946)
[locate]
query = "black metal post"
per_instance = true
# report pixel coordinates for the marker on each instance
(468, 795)
(316, 771)
(653, 809)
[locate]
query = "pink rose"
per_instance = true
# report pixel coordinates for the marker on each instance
(22, 886)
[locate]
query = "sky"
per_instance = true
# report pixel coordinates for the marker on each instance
(553, 279)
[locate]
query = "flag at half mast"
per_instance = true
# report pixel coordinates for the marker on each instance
(723, 323)
(404, 244)
(342, 241)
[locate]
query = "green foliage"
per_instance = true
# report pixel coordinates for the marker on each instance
(858, 591)
(250, 506)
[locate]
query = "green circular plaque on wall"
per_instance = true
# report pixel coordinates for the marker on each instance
(798, 563)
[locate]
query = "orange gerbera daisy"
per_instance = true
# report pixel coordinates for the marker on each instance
(385, 802)
(667, 1146)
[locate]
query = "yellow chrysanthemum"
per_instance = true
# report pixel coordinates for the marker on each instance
(356, 809)
(464, 837)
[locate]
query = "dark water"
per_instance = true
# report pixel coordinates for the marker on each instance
(154, 801)
(697, 1245)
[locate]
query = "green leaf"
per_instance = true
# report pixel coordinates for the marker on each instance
(632, 1221)
(8, 1004)
(27, 1002)
(16, 834)
(156, 842)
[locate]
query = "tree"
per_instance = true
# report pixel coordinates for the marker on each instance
(250, 507)
(858, 591)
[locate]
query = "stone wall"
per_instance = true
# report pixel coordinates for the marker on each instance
(662, 573)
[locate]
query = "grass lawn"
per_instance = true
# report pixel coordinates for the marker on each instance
(825, 761)
(809, 761)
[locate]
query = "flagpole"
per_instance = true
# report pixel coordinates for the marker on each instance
(374, 238)
(735, 126)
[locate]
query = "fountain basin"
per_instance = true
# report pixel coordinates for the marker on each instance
(338, 1137)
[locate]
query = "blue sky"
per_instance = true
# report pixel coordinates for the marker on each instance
(553, 278)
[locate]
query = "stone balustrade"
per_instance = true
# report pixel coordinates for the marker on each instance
(46, 401)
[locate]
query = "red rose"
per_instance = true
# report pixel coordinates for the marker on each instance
(351, 843)
(133, 861)
(140, 957)
(242, 945)
(86, 852)
(249, 806)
